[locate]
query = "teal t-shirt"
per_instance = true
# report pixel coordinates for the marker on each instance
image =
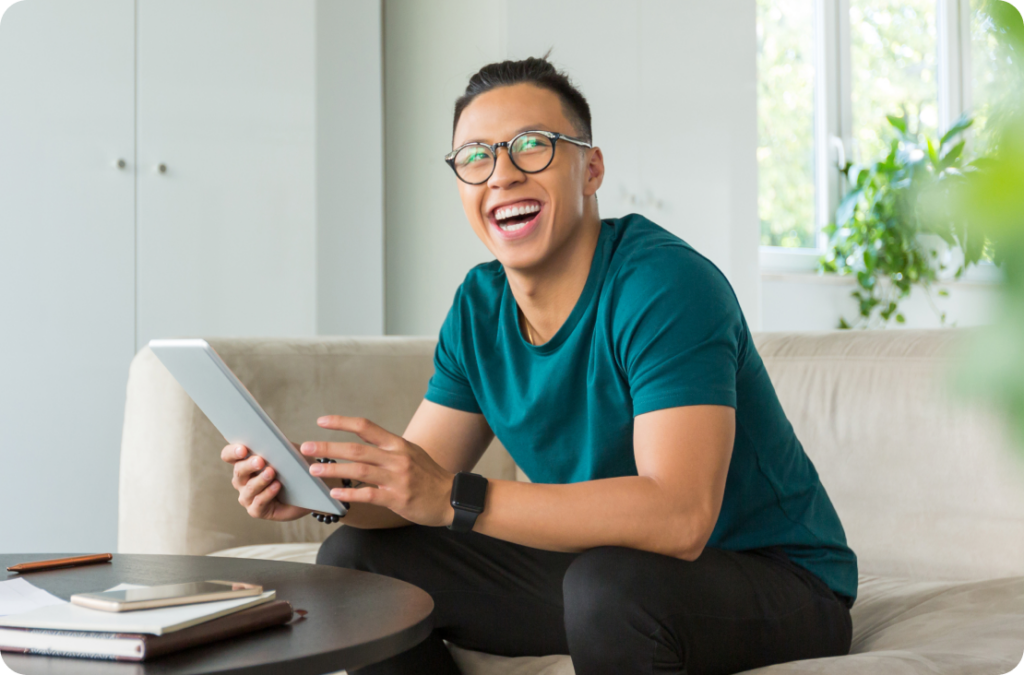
(657, 326)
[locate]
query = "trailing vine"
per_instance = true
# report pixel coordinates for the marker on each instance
(878, 225)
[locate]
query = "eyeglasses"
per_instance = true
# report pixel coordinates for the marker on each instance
(530, 152)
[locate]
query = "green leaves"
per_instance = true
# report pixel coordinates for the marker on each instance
(933, 154)
(899, 122)
(959, 126)
(889, 205)
(952, 155)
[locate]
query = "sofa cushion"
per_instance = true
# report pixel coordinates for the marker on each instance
(899, 626)
(923, 482)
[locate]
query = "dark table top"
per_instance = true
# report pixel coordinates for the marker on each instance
(355, 618)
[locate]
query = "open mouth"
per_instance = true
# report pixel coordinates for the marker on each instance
(515, 217)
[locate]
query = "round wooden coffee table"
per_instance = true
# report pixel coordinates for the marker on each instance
(355, 618)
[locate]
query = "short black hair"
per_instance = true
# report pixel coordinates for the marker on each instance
(538, 72)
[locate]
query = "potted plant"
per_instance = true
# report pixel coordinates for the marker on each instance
(880, 233)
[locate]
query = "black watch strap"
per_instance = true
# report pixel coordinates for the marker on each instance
(463, 521)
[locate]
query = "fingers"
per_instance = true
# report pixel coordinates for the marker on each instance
(244, 470)
(365, 473)
(256, 488)
(363, 495)
(263, 503)
(361, 427)
(233, 453)
(354, 452)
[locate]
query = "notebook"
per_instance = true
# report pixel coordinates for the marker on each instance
(158, 621)
(127, 647)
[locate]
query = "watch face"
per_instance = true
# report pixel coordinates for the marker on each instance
(468, 492)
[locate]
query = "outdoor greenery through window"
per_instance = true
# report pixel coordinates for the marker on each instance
(892, 59)
(785, 119)
(893, 45)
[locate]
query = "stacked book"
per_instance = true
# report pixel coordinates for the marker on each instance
(65, 629)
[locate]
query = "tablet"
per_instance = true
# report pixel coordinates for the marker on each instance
(237, 415)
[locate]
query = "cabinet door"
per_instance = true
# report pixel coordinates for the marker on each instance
(66, 269)
(226, 183)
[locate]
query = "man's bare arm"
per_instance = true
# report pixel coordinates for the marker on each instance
(454, 439)
(671, 507)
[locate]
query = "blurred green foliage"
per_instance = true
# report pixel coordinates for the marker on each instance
(991, 200)
(878, 227)
(996, 75)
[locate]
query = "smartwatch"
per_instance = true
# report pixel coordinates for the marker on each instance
(468, 493)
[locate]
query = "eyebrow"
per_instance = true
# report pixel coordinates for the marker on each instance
(528, 127)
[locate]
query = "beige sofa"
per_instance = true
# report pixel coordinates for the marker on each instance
(932, 501)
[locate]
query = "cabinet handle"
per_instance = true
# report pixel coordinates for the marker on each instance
(162, 168)
(120, 164)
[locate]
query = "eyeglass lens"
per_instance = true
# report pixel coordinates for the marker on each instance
(530, 153)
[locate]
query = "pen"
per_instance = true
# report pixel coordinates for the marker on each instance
(40, 565)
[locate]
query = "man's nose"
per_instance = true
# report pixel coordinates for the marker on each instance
(505, 172)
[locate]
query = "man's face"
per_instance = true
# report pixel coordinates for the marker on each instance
(552, 201)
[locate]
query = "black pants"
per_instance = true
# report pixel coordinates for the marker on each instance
(615, 610)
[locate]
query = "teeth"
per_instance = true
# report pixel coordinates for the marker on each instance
(512, 228)
(512, 211)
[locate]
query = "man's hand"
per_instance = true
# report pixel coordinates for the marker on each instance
(257, 486)
(408, 481)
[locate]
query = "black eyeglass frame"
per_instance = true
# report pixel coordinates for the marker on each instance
(553, 136)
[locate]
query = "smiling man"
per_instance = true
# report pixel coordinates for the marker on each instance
(674, 523)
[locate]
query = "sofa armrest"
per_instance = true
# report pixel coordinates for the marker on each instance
(175, 493)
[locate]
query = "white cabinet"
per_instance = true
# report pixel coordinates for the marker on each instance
(67, 269)
(249, 203)
(266, 218)
(227, 234)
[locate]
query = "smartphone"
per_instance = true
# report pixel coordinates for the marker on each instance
(165, 596)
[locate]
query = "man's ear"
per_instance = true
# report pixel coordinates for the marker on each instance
(594, 172)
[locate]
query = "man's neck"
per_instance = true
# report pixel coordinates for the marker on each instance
(546, 295)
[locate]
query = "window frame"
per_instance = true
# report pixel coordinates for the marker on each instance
(833, 110)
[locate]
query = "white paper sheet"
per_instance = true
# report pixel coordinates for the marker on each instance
(152, 621)
(18, 595)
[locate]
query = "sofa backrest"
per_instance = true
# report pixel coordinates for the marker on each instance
(924, 485)
(175, 493)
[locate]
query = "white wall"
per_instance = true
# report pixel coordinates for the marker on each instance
(672, 93)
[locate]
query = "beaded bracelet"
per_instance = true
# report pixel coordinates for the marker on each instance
(330, 518)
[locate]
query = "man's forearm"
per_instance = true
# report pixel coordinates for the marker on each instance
(631, 511)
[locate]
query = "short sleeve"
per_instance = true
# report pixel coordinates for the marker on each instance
(679, 331)
(449, 385)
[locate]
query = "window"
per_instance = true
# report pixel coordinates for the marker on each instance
(829, 71)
